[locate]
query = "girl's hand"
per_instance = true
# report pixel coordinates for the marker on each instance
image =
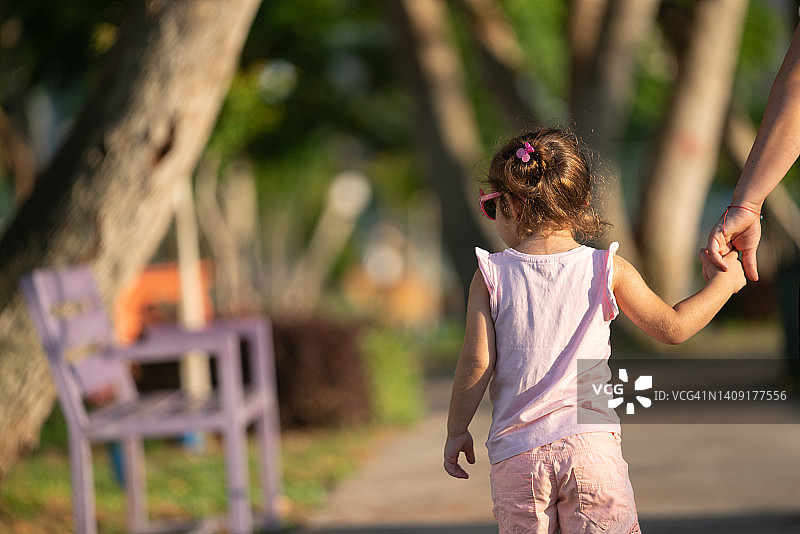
(453, 447)
(733, 272)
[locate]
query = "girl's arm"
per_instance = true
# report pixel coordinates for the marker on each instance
(473, 371)
(675, 324)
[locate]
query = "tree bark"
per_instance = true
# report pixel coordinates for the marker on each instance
(586, 23)
(502, 58)
(603, 83)
(604, 39)
(106, 198)
(448, 130)
(686, 154)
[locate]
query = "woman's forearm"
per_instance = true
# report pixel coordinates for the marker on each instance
(777, 144)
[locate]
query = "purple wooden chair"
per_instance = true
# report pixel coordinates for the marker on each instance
(73, 327)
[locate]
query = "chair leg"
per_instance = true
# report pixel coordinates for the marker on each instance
(82, 478)
(267, 428)
(135, 483)
(267, 432)
(240, 514)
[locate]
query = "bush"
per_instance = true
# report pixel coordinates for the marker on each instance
(395, 377)
(320, 373)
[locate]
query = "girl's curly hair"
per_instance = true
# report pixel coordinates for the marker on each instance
(554, 185)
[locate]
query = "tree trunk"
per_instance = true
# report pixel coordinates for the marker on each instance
(448, 130)
(586, 22)
(230, 226)
(502, 58)
(686, 154)
(604, 39)
(603, 83)
(106, 197)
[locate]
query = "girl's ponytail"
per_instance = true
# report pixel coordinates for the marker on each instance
(548, 171)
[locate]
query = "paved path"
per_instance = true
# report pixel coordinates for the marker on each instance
(688, 478)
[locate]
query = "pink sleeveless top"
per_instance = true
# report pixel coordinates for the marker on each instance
(548, 311)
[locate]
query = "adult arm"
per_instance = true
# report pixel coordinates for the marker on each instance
(473, 371)
(775, 149)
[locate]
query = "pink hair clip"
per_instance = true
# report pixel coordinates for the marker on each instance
(525, 153)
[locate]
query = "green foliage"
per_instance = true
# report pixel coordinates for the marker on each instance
(396, 377)
(542, 30)
(250, 109)
(342, 83)
(440, 349)
(395, 178)
(54, 431)
(655, 76)
(760, 57)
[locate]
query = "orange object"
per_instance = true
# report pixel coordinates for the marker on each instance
(152, 298)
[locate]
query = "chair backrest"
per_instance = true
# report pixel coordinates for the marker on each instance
(73, 325)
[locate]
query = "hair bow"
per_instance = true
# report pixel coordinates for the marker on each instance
(525, 153)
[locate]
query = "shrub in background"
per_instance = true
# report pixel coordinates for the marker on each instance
(392, 359)
(321, 377)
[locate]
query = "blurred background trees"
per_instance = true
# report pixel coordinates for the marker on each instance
(341, 176)
(105, 197)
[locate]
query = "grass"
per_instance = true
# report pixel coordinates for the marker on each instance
(35, 495)
(395, 375)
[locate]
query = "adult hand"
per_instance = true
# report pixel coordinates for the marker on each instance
(737, 229)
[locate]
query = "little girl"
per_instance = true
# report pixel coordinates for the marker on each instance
(533, 310)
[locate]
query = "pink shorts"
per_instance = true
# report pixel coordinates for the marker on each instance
(576, 485)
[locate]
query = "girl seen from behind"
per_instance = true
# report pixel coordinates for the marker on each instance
(533, 311)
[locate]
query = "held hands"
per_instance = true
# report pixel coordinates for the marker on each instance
(733, 272)
(452, 448)
(738, 229)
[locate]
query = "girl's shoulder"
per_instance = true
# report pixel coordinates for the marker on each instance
(623, 270)
(488, 268)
